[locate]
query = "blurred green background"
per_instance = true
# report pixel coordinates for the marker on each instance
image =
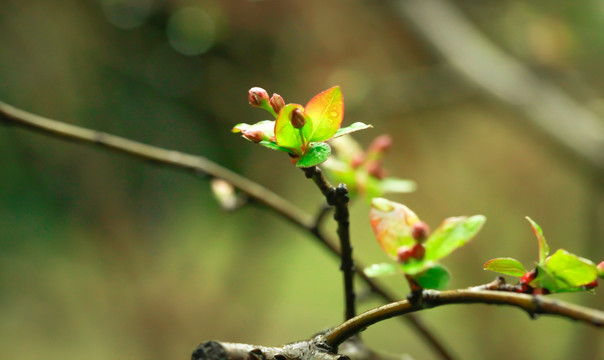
(106, 257)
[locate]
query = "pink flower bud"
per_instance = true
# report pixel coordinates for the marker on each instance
(403, 254)
(380, 144)
(256, 96)
(418, 251)
(253, 135)
(420, 231)
(601, 269)
(376, 169)
(297, 119)
(277, 102)
(357, 160)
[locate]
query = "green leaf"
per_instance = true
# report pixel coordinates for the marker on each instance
(436, 277)
(325, 112)
(273, 146)
(316, 154)
(286, 135)
(507, 266)
(453, 233)
(394, 185)
(570, 269)
(391, 223)
(543, 247)
(545, 279)
(381, 269)
(354, 127)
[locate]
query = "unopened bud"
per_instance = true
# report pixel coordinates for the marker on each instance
(253, 135)
(591, 285)
(357, 160)
(404, 254)
(376, 169)
(297, 118)
(420, 231)
(601, 269)
(418, 251)
(277, 102)
(380, 144)
(528, 276)
(257, 96)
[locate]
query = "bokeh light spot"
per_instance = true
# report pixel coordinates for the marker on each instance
(191, 31)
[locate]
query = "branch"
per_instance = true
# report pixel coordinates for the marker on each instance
(197, 165)
(214, 350)
(506, 79)
(532, 304)
(338, 198)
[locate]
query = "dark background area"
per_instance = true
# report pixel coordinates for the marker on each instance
(106, 257)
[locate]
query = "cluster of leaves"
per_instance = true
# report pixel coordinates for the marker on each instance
(300, 131)
(402, 235)
(363, 171)
(560, 272)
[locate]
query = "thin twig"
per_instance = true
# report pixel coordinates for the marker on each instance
(339, 199)
(197, 165)
(532, 304)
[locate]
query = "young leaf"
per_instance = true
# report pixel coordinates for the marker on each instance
(507, 266)
(394, 185)
(436, 277)
(570, 269)
(453, 233)
(391, 223)
(543, 247)
(381, 269)
(286, 135)
(325, 112)
(316, 154)
(273, 146)
(357, 126)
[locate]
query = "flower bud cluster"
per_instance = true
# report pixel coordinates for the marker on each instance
(258, 97)
(420, 232)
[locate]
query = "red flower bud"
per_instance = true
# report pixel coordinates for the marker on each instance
(418, 251)
(376, 169)
(357, 160)
(528, 277)
(420, 231)
(256, 96)
(253, 135)
(277, 102)
(404, 254)
(601, 269)
(297, 118)
(380, 144)
(540, 291)
(591, 285)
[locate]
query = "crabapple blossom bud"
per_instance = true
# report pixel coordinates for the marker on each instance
(257, 96)
(420, 231)
(297, 119)
(277, 102)
(376, 169)
(528, 276)
(404, 254)
(591, 285)
(357, 160)
(418, 251)
(541, 291)
(380, 144)
(601, 269)
(253, 135)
